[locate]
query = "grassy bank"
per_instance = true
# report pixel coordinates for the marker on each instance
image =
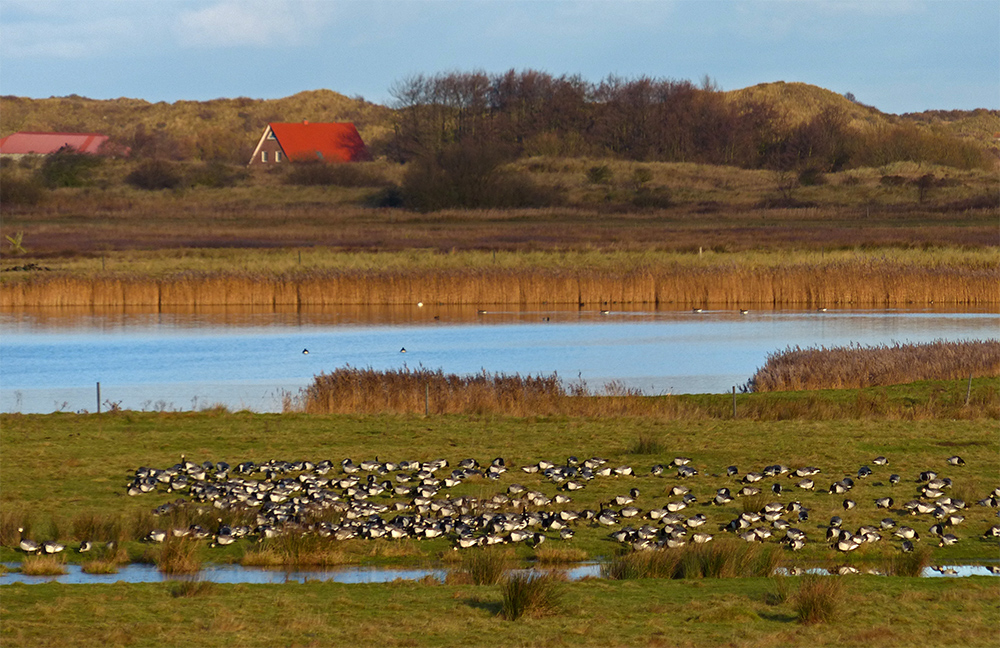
(735, 612)
(847, 279)
(65, 476)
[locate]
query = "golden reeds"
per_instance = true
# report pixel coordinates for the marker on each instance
(858, 282)
(349, 390)
(858, 366)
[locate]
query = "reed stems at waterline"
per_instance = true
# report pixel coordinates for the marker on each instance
(858, 366)
(858, 282)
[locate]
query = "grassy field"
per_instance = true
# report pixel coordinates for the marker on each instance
(710, 207)
(734, 612)
(65, 475)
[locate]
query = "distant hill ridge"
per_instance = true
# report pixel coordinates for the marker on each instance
(230, 124)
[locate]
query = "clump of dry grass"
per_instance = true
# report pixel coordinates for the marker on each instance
(178, 556)
(559, 555)
(720, 559)
(191, 588)
(818, 598)
(647, 444)
(858, 366)
(529, 594)
(908, 564)
(43, 566)
(295, 549)
(485, 566)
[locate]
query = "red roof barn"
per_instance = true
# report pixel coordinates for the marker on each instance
(44, 143)
(305, 142)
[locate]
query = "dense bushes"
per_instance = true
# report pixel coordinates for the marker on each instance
(469, 175)
(336, 175)
(154, 174)
(67, 168)
(648, 119)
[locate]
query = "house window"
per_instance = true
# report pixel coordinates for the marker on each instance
(263, 156)
(277, 156)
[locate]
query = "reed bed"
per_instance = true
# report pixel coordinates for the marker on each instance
(859, 366)
(350, 389)
(858, 282)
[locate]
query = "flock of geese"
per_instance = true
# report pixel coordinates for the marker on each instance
(410, 499)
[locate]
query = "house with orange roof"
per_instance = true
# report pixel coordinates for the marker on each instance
(307, 142)
(35, 143)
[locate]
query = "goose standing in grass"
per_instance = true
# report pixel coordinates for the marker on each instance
(52, 547)
(85, 546)
(956, 461)
(26, 545)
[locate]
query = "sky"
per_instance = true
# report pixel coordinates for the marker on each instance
(897, 55)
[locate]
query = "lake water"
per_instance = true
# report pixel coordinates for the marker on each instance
(51, 360)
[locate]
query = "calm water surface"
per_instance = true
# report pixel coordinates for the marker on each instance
(52, 360)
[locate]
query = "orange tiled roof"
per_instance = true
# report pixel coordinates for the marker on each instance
(332, 142)
(42, 143)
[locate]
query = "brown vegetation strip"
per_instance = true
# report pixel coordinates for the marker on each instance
(350, 390)
(857, 366)
(865, 283)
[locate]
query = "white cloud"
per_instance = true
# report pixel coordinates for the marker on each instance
(239, 23)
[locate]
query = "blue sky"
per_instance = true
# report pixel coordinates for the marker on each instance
(897, 55)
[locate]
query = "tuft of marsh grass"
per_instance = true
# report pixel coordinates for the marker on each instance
(43, 566)
(295, 549)
(10, 520)
(908, 564)
(191, 588)
(558, 555)
(485, 566)
(525, 593)
(780, 590)
(818, 598)
(720, 559)
(647, 443)
(177, 556)
(100, 567)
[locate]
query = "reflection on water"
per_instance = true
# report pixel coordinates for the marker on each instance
(52, 359)
(233, 574)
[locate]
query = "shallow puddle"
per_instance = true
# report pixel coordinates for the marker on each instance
(233, 574)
